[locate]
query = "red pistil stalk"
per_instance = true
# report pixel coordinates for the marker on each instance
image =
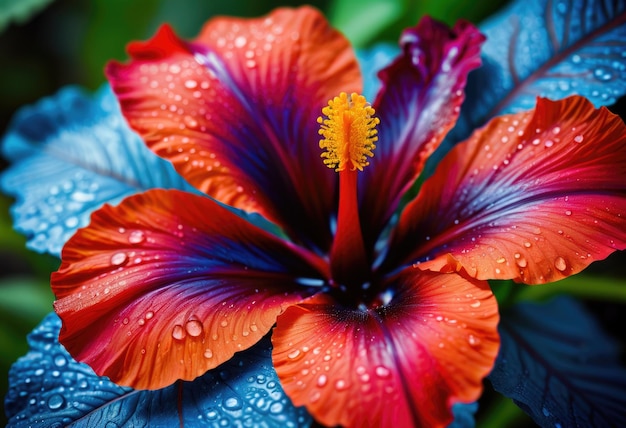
(349, 132)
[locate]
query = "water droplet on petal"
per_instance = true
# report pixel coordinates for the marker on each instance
(178, 332)
(314, 396)
(560, 263)
(119, 259)
(224, 323)
(382, 372)
(295, 354)
(208, 353)
(322, 380)
(475, 304)
(579, 138)
(473, 340)
(568, 212)
(136, 237)
(149, 315)
(341, 385)
(194, 328)
(190, 84)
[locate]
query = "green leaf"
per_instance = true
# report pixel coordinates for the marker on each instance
(362, 20)
(25, 299)
(19, 11)
(450, 11)
(583, 286)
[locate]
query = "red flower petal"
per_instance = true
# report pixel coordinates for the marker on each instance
(236, 110)
(418, 104)
(168, 285)
(401, 365)
(533, 197)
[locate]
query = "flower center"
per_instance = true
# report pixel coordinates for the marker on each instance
(349, 132)
(348, 128)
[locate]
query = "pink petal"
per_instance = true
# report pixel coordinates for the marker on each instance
(419, 102)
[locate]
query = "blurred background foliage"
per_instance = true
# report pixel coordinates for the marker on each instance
(47, 44)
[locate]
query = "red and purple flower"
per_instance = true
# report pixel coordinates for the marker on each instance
(379, 310)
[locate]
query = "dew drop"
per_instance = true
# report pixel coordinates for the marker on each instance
(224, 323)
(475, 304)
(240, 41)
(232, 403)
(560, 263)
(136, 237)
(293, 355)
(253, 327)
(55, 401)
(149, 315)
(521, 262)
(208, 353)
(527, 244)
(314, 396)
(322, 380)
(191, 84)
(276, 407)
(473, 340)
(178, 332)
(568, 212)
(341, 385)
(579, 138)
(194, 328)
(119, 259)
(501, 260)
(382, 372)
(60, 360)
(71, 222)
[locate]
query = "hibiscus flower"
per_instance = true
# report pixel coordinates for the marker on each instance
(379, 310)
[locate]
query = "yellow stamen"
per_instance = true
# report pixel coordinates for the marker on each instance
(349, 132)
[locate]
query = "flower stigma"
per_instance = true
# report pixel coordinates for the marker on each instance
(349, 131)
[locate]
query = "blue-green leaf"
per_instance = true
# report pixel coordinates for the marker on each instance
(558, 365)
(19, 10)
(548, 48)
(49, 389)
(71, 153)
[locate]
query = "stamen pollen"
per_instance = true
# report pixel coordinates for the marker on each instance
(349, 132)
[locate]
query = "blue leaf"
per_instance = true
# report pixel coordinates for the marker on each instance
(464, 415)
(73, 152)
(559, 367)
(549, 48)
(50, 389)
(371, 61)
